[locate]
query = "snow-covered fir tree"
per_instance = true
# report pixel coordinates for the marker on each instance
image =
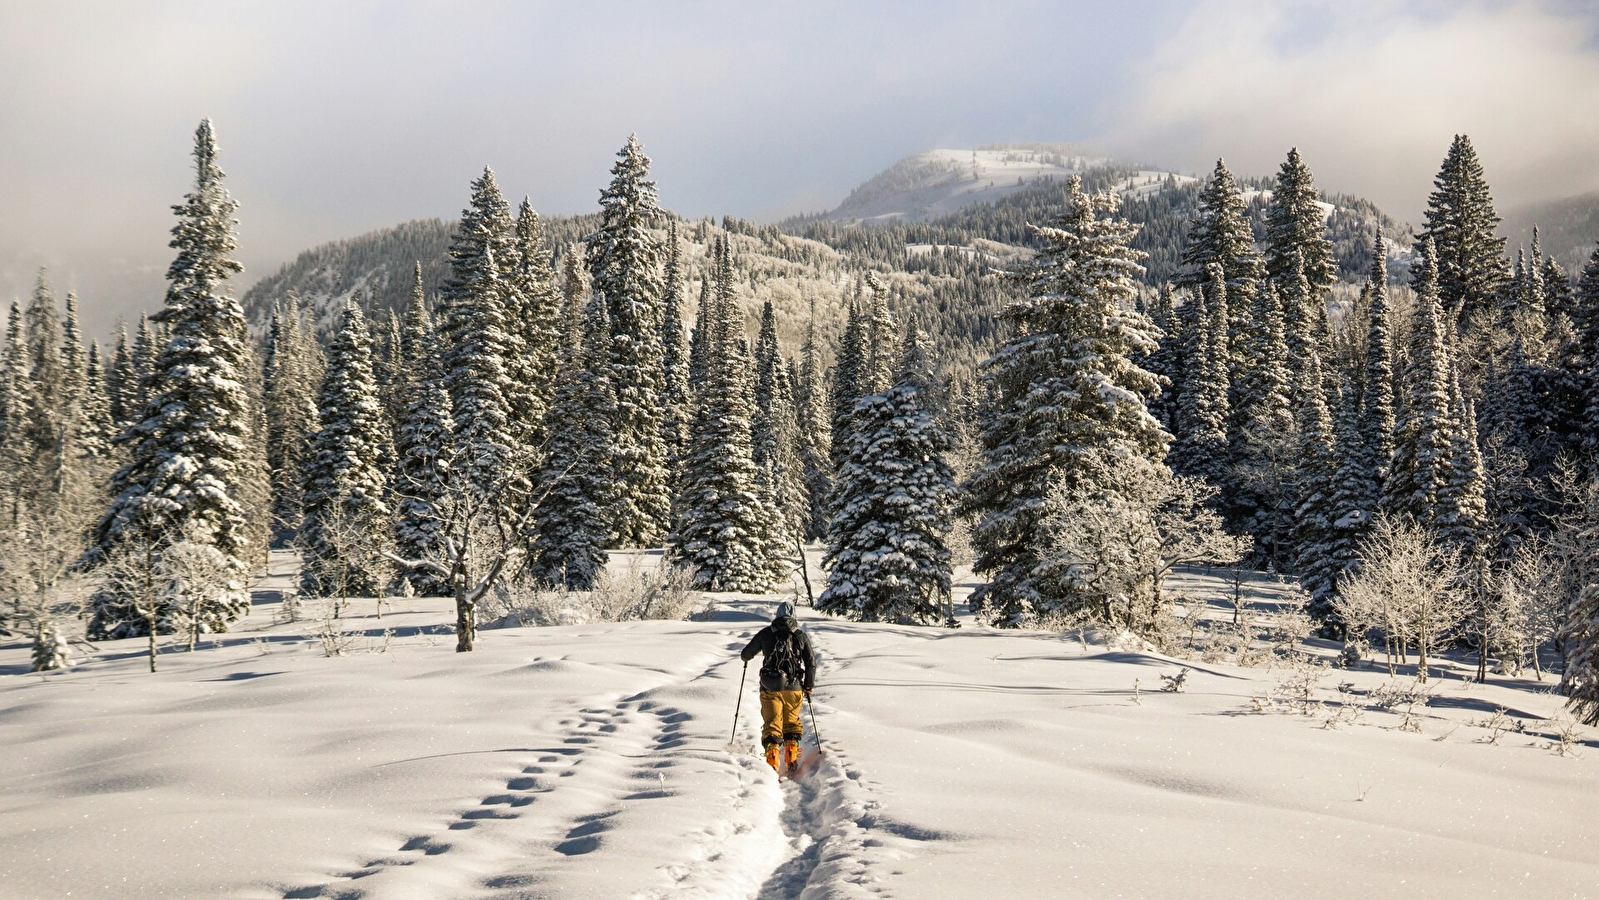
(1460, 222)
(51, 651)
(1163, 362)
(1296, 225)
(346, 507)
(887, 559)
(96, 429)
(848, 370)
(188, 452)
(1462, 502)
(488, 457)
(1425, 434)
(812, 447)
(533, 320)
(1585, 321)
(882, 339)
(122, 388)
(145, 350)
(1063, 400)
(772, 439)
(291, 372)
(1580, 681)
(1261, 434)
(1203, 410)
(572, 525)
(677, 397)
(625, 259)
(422, 449)
(1375, 448)
(722, 531)
(1220, 235)
(1317, 560)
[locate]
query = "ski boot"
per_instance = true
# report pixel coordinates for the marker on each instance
(791, 757)
(771, 757)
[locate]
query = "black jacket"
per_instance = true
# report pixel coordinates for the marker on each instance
(763, 642)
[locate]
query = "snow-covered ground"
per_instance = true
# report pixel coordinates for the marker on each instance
(593, 761)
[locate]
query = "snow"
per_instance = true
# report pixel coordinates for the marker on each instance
(592, 761)
(939, 182)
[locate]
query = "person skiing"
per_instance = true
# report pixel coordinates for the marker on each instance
(788, 673)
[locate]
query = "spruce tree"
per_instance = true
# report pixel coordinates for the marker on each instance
(97, 429)
(291, 372)
(1261, 436)
(122, 381)
(1163, 362)
(849, 369)
(721, 534)
(533, 320)
(1220, 235)
(1425, 434)
(813, 431)
(626, 263)
(1460, 223)
(145, 350)
(188, 452)
(1353, 505)
(1296, 225)
(677, 396)
(346, 510)
(1585, 320)
(772, 440)
(882, 337)
(422, 449)
(1064, 399)
(573, 524)
(1375, 449)
(489, 458)
(1317, 559)
(886, 558)
(1203, 410)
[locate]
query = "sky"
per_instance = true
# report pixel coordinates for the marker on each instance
(335, 118)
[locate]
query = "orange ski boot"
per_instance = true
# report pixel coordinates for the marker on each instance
(771, 757)
(791, 755)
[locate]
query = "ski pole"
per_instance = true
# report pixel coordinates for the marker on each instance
(740, 703)
(814, 730)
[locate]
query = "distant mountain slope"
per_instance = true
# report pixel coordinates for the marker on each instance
(940, 182)
(376, 267)
(1567, 229)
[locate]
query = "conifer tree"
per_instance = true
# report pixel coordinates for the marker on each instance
(1425, 434)
(46, 418)
(1585, 320)
(721, 534)
(699, 335)
(676, 394)
(1203, 410)
(848, 372)
(122, 381)
(291, 372)
(1460, 223)
(573, 524)
(74, 365)
(1295, 224)
(1064, 398)
(1262, 432)
(533, 318)
(882, 337)
(772, 439)
(1315, 534)
(346, 511)
(626, 263)
(1221, 236)
(488, 456)
(887, 560)
(1462, 501)
(1163, 362)
(812, 446)
(145, 351)
(1375, 448)
(422, 449)
(1353, 505)
(188, 453)
(96, 429)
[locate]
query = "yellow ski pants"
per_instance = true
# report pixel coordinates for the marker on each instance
(780, 716)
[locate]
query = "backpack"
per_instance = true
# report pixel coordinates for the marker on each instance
(785, 659)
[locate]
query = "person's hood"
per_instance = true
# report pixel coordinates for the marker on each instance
(785, 623)
(785, 610)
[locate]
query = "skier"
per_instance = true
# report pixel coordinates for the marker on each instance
(788, 673)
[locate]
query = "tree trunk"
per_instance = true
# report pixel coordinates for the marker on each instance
(465, 617)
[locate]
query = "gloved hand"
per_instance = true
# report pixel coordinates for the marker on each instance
(807, 693)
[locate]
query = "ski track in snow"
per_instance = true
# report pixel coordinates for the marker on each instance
(760, 839)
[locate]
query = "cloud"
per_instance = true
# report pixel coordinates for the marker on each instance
(1372, 93)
